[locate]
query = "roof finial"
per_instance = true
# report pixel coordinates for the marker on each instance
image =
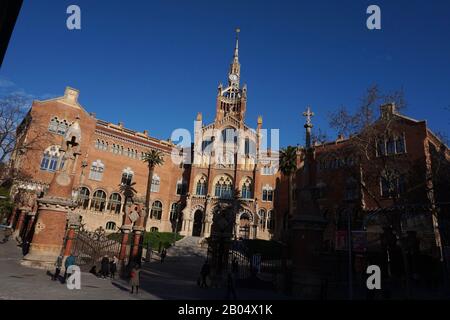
(236, 49)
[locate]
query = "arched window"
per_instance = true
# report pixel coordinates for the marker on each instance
(110, 225)
(127, 177)
(62, 127)
(224, 188)
(156, 212)
(201, 187)
(50, 159)
(267, 193)
(53, 126)
(246, 192)
(114, 203)
(98, 201)
(153, 229)
(173, 212)
(83, 198)
(270, 220)
(155, 183)
(262, 219)
(96, 172)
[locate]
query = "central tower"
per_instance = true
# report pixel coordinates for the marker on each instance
(232, 100)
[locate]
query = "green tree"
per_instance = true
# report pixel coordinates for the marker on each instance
(153, 158)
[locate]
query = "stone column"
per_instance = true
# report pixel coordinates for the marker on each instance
(20, 221)
(54, 207)
(49, 233)
(73, 227)
(137, 235)
(32, 216)
(124, 243)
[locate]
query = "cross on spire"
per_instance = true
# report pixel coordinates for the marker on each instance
(308, 114)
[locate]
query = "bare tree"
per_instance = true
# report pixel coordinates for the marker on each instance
(15, 140)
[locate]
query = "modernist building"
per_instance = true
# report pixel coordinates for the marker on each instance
(225, 156)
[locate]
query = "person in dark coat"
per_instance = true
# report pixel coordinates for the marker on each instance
(105, 267)
(163, 255)
(113, 267)
(58, 265)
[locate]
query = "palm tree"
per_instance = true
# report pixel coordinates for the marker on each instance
(128, 192)
(153, 158)
(288, 167)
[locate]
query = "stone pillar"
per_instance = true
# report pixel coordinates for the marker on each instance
(49, 233)
(137, 235)
(123, 245)
(32, 216)
(20, 221)
(12, 217)
(69, 239)
(54, 207)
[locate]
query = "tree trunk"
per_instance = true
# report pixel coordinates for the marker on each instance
(151, 169)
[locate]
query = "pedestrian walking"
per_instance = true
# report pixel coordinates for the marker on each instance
(105, 267)
(113, 267)
(163, 255)
(204, 273)
(70, 261)
(58, 265)
(134, 281)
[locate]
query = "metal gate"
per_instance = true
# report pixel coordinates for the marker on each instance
(89, 248)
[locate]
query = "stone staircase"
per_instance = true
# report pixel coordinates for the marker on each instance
(188, 246)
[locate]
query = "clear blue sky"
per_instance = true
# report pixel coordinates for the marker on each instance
(154, 64)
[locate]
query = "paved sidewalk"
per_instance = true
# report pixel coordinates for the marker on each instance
(176, 278)
(23, 283)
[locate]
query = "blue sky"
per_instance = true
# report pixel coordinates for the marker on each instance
(154, 64)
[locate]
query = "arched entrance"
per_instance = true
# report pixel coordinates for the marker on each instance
(244, 225)
(198, 223)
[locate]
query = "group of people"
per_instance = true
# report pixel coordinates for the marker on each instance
(230, 281)
(108, 268)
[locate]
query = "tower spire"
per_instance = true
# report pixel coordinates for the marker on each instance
(236, 48)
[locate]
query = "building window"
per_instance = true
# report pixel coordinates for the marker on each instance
(268, 170)
(110, 225)
(50, 159)
(154, 229)
(127, 177)
(267, 193)
(173, 212)
(62, 127)
(155, 183)
(270, 220)
(392, 145)
(97, 169)
(351, 189)
(53, 126)
(114, 203)
(246, 192)
(181, 187)
(392, 184)
(83, 198)
(262, 219)
(224, 188)
(201, 187)
(156, 212)
(98, 201)
(247, 146)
